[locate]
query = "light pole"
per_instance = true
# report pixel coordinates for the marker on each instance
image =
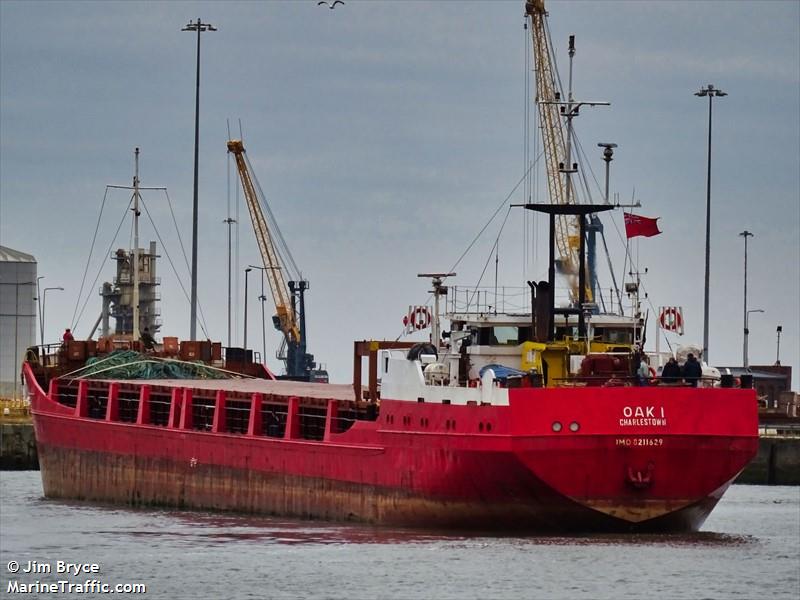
(39, 306)
(246, 272)
(229, 221)
(263, 298)
(747, 333)
(608, 156)
(745, 234)
(44, 305)
(778, 353)
(709, 91)
(199, 27)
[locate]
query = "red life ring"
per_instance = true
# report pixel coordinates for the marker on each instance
(653, 377)
(420, 318)
(671, 319)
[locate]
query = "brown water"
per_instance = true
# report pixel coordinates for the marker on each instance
(749, 548)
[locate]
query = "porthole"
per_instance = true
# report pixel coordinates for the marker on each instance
(556, 426)
(574, 426)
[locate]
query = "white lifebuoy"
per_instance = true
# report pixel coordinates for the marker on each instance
(420, 318)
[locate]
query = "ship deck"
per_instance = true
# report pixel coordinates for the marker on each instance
(302, 389)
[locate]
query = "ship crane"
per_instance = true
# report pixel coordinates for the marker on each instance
(289, 298)
(557, 144)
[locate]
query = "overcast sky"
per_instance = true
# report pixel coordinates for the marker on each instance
(385, 135)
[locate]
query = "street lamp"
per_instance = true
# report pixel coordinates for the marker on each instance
(747, 333)
(44, 305)
(263, 298)
(246, 272)
(229, 221)
(709, 91)
(39, 306)
(199, 27)
(778, 353)
(745, 234)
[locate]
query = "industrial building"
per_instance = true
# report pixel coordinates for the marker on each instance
(17, 316)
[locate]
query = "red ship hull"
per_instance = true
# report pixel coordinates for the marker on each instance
(417, 464)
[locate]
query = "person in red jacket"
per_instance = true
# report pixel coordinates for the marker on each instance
(67, 337)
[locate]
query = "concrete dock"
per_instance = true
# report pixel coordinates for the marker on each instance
(17, 440)
(777, 462)
(17, 447)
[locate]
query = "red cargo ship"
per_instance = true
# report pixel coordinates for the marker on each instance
(521, 422)
(487, 458)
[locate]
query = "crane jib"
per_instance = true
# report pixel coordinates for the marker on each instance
(273, 267)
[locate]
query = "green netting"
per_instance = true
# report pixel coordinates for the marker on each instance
(127, 364)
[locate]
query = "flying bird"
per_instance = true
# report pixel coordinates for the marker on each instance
(331, 6)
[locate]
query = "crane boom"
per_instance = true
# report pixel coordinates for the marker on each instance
(555, 141)
(287, 322)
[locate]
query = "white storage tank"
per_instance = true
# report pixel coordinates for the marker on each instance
(17, 316)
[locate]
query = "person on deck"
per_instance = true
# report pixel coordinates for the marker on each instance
(643, 372)
(147, 340)
(67, 337)
(671, 373)
(692, 370)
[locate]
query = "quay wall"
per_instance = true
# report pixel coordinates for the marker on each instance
(777, 462)
(18, 447)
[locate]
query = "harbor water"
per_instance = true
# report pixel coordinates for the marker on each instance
(748, 548)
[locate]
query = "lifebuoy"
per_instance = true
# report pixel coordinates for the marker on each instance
(420, 318)
(653, 375)
(671, 319)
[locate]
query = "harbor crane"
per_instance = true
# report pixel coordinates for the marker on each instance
(289, 298)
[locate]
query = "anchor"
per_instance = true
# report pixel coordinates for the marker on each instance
(640, 480)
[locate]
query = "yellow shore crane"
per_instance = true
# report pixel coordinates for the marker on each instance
(289, 299)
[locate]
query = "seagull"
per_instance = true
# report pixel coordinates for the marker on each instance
(331, 6)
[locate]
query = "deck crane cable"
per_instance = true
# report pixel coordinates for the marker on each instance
(526, 194)
(283, 248)
(174, 270)
(89, 258)
(185, 258)
(485, 226)
(494, 214)
(624, 241)
(100, 270)
(489, 258)
(177, 231)
(536, 177)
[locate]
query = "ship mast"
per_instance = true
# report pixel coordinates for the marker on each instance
(438, 290)
(135, 266)
(118, 293)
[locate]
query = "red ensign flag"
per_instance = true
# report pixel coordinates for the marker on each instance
(636, 225)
